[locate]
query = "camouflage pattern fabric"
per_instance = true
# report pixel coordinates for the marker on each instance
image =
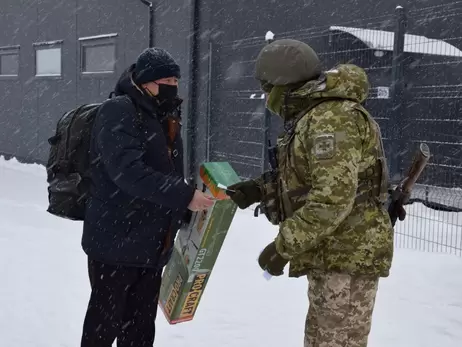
(330, 147)
(340, 311)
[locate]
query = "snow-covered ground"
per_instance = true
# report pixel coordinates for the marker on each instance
(44, 287)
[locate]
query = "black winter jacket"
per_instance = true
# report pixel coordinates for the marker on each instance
(138, 194)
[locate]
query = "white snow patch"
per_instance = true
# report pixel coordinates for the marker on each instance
(384, 40)
(96, 72)
(44, 284)
(12, 47)
(48, 43)
(14, 165)
(269, 36)
(96, 37)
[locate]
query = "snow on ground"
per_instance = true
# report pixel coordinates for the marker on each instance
(44, 287)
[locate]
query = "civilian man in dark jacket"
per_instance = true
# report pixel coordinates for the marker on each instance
(139, 200)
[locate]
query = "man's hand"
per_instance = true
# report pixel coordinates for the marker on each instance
(401, 212)
(200, 201)
(271, 262)
(396, 207)
(244, 193)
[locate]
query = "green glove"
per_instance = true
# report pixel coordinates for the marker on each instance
(270, 260)
(244, 193)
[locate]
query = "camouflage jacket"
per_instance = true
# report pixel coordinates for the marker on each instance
(330, 148)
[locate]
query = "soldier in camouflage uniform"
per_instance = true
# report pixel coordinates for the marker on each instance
(327, 193)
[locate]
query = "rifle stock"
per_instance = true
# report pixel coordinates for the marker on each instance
(402, 192)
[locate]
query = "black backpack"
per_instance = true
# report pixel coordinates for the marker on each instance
(68, 166)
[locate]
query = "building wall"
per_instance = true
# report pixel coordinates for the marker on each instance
(215, 42)
(31, 105)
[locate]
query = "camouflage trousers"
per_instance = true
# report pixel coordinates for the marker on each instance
(340, 310)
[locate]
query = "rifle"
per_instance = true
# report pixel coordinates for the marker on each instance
(269, 175)
(401, 194)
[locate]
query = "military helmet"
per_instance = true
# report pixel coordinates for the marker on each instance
(287, 61)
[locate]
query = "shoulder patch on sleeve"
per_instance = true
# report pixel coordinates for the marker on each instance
(324, 146)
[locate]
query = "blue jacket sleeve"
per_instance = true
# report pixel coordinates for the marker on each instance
(121, 153)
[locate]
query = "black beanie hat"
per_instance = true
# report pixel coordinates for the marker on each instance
(154, 64)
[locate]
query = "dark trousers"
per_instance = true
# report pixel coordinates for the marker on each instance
(123, 305)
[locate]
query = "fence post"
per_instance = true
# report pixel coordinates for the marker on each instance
(209, 101)
(267, 123)
(192, 158)
(397, 94)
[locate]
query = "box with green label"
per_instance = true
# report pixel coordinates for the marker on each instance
(197, 247)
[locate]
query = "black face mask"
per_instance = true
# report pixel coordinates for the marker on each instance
(167, 92)
(167, 98)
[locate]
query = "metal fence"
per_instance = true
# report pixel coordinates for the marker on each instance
(434, 221)
(415, 97)
(414, 63)
(429, 69)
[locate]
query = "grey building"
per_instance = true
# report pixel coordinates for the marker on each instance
(55, 55)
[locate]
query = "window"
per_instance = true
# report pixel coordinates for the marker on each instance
(9, 61)
(48, 59)
(98, 54)
(99, 58)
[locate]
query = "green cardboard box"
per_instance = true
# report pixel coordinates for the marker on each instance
(197, 247)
